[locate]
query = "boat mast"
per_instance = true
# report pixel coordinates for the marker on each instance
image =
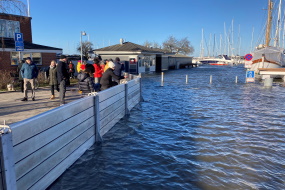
(278, 27)
(202, 45)
(269, 23)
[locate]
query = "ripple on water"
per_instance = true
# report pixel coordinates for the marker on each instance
(191, 136)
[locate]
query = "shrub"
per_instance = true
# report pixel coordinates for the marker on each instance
(5, 78)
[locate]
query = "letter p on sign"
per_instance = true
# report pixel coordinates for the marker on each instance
(19, 37)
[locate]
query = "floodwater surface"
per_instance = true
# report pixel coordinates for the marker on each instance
(223, 135)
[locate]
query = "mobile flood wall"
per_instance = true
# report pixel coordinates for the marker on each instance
(36, 151)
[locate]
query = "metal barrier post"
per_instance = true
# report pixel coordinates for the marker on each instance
(7, 159)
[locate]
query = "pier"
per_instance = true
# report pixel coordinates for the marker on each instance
(270, 72)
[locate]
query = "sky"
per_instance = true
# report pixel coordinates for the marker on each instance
(59, 23)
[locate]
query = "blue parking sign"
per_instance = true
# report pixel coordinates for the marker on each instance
(19, 37)
(250, 74)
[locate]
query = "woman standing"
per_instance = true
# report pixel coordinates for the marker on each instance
(97, 74)
(53, 78)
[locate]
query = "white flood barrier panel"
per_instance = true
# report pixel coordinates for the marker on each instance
(42, 147)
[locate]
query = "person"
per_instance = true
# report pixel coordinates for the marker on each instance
(118, 68)
(106, 80)
(52, 76)
(97, 74)
(71, 69)
(21, 80)
(85, 81)
(78, 66)
(29, 72)
(101, 62)
(107, 64)
(62, 76)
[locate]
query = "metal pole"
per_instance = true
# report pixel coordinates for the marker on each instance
(236, 79)
(186, 79)
(210, 79)
(81, 46)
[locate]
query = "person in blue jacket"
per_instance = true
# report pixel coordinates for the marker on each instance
(29, 72)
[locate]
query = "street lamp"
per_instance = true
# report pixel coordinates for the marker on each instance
(81, 34)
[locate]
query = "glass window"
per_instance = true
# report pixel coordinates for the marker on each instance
(37, 58)
(8, 28)
(15, 58)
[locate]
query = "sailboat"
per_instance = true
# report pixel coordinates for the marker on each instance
(266, 56)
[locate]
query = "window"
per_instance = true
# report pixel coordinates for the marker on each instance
(15, 57)
(37, 58)
(8, 28)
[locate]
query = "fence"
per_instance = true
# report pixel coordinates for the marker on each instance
(36, 151)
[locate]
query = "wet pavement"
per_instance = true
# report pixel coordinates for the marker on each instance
(13, 110)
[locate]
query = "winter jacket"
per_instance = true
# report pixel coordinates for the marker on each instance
(52, 76)
(62, 73)
(98, 71)
(118, 68)
(29, 71)
(85, 83)
(106, 80)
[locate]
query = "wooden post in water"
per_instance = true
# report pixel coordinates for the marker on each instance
(162, 79)
(210, 79)
(186, 79)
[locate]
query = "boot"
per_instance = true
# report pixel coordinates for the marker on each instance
(52, 97)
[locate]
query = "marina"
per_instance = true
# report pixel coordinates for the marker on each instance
(199, 135)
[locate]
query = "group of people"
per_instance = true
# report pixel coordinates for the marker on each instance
(91, 77)
(99, 75)
(58, 74)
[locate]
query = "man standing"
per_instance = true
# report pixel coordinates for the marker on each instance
(29, 72)
(118, 68)
(62, 76)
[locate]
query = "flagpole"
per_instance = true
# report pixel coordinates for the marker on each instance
(28, 2)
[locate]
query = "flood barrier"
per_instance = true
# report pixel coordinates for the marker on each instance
(36, 151)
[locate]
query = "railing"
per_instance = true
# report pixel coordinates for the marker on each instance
(36, 151)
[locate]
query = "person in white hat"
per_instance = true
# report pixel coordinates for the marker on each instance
(108, 75)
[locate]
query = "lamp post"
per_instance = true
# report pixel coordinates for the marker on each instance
(81, 34)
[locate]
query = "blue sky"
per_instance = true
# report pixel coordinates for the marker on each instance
(59, 23)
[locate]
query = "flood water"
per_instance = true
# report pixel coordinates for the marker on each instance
(203, 136)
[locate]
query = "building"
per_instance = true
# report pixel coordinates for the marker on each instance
(137, 58)
(141, 59)
(9, 55)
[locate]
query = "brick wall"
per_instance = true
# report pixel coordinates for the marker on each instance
(47, 57)
(5, 62)
(25, 25)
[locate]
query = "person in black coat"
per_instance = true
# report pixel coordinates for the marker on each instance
(62, 77)
(106, 80)
(86, 81)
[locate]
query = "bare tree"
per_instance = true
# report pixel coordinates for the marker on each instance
(151, 44)
(13, 7)
(182, 46)
(86, 47)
